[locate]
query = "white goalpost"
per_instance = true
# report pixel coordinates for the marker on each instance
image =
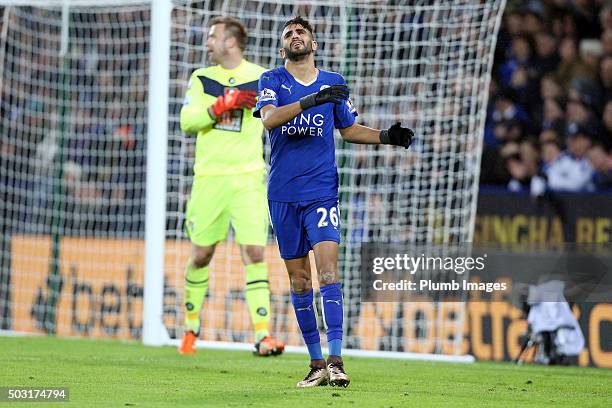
(154, 332)
(96, 172)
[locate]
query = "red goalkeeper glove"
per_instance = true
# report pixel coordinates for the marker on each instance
(233, 99)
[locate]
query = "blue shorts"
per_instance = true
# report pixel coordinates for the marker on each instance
(301, 225)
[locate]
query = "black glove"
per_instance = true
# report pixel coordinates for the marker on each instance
(333, 94)
(397, 135)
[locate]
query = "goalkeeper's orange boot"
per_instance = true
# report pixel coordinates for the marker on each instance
(268, 346)
(188, 343)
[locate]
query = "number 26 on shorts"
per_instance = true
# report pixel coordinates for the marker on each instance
(332, 215)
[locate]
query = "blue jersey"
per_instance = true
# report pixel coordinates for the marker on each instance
(303, 162)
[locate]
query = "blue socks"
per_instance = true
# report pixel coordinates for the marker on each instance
(307, 321)
(335, 347)
(332, 316)
(331, 296)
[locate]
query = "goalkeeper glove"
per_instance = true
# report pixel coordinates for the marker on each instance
(397, 135)
(233, 99)
(333, 94)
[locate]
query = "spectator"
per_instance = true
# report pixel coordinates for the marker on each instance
(579, 140)
(571, 66)
(605, 17)
(568, 24)
(550, 135)
(533, 19)
(520, 58)
(513, 26)
(582, 105)
(571, 171)
(606, 133)
(605, 76)
(551, 152)
(530, 155)
(514, 23)
(606, 42)
(590, 52)
(546, 52)
(519, 177)
(550, 87)
(550, 106)
(601, 161)
(522, 161)
(554, 113)
(507, 117)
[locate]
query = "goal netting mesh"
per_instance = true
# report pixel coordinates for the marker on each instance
(73, 142)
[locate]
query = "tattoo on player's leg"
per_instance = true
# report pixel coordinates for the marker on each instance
(327, 278)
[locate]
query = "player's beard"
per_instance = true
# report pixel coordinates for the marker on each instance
(298, 55)
(215, 56)
(213, 59)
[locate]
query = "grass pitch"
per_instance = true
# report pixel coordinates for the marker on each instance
(118, 374)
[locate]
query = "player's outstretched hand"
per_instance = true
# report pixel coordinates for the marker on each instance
(333, 94)
(234, 99)
(397, 135)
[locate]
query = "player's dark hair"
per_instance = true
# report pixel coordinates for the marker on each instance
(232, 28)
(301, 21)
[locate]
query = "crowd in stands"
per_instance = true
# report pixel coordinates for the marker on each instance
(73, 131)
(549, 121)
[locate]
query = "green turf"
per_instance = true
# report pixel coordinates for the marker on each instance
(117, 374)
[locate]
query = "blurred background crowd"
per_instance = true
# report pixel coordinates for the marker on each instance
(548, 128)
(549, 119)
(86, 110)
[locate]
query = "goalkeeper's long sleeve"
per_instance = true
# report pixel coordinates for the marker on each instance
(194, 113)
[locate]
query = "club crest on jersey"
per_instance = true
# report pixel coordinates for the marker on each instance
(267, 94)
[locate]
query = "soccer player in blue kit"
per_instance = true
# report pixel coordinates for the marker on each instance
(301, 105)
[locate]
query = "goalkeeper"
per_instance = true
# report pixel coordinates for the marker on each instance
(301, 105)
(228, 178)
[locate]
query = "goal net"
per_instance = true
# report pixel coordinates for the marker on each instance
(74, 83)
